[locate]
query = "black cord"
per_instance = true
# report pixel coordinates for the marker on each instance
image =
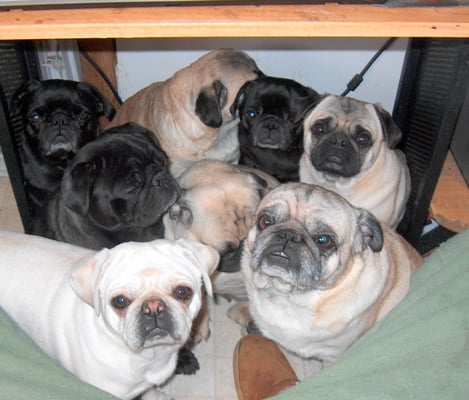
(101, 73)
(351, 85)
(358, 78)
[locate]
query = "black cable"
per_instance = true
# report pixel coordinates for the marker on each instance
(101, 73)
(358, 78)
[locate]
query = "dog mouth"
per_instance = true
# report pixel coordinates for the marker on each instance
(332, 164)
(279, 258)
(333, 161)
(276, 270)
(266, 144)
(155, 333)
(59, 147)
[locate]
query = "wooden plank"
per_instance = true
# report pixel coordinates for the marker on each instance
(324, 20)
(450, 202)
(103, 53)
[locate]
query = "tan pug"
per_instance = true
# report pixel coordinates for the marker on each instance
(190, 112)
(350, 148)
(320, 272)
(217, 207)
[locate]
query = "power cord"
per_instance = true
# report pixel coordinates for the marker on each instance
(100, 72)
(358, 78)
(351, 85)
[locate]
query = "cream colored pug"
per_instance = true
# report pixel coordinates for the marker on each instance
(190, 112)
(217, 207)
(115, 318)
(320, 272)
(350, 148)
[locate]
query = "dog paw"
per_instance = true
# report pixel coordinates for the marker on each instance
(187, 362)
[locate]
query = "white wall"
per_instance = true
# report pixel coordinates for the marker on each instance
(323, 64)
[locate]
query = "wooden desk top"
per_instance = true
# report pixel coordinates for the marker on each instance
(325, 20)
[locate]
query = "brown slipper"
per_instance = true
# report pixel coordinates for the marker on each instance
(260, 368)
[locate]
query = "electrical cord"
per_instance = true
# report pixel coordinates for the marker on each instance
(100, 72)
(358, 78)
(351, 85)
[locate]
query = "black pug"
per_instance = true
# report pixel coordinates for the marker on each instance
(116, 189)
(270, 130)
(59, 117)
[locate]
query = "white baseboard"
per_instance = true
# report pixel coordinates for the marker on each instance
(3, 168)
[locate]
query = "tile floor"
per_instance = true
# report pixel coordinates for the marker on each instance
(214, 380)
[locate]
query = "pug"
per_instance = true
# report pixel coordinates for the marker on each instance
(217, 206)
(116, 189)
(190, 112)
(114, 318)
(270, 131)
(320, 272)
(59, 117)
(350, 148)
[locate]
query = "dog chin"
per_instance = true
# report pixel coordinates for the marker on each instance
(267, 145)
(158, 336)
(263, 281)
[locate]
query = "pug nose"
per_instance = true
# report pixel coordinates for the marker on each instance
(271, 124)
(59, 119)
(153, 306)
(340, 142)
(290, 235)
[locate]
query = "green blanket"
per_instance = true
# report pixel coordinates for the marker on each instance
(419, 351)
(26, 373)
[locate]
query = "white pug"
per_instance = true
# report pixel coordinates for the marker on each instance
(114, 318)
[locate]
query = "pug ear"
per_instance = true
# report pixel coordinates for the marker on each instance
(261, 185)
(305, 104)
(19, 96)
(205, 258)
(76, 187)
(85, 278)
(181, 213)
(392, 133)
(300, 102)
(210, 102)
(240, 99)
(370, 233)
(103, 105)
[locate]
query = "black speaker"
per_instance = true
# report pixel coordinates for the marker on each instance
(18, 63)
(429, 102)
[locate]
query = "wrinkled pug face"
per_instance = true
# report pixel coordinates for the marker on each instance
(343, 136)
(305, 238)
(121, 180)
(60, 116)
(147, 293)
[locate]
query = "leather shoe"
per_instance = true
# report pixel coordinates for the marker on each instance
(261, 370)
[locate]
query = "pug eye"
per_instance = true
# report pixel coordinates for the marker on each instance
(319, 128)
(264, 221)
(182, 293)
(251, 114)
(35, 118)
(120, 302)
(324, 241)
(84, 116)
(363, 138)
